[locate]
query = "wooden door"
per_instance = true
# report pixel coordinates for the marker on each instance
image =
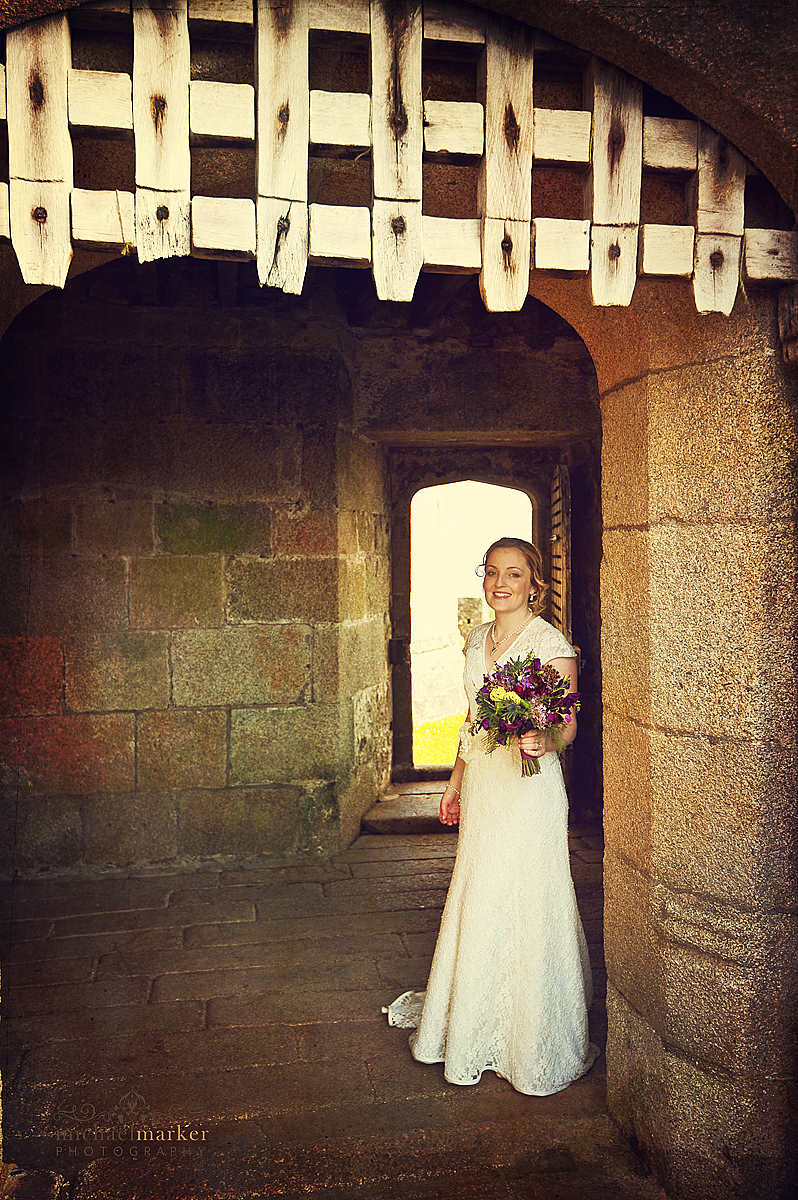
(560, 594)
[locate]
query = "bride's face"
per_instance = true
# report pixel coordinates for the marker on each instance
(507, 582)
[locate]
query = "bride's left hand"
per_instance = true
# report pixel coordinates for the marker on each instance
(534, 743)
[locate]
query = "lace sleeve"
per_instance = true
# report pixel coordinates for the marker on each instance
(554, 644)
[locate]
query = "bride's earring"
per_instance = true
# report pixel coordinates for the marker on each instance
(532, 597)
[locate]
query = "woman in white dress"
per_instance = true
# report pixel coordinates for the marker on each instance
(510, 982)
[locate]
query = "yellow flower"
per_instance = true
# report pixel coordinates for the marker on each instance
(499, 693)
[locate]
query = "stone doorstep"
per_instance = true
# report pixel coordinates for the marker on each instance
(405, 813)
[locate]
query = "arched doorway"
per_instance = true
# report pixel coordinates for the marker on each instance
(450, 526)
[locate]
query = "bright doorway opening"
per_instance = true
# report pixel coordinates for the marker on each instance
(451, 526)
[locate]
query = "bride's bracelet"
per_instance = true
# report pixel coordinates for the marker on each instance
(451, 788)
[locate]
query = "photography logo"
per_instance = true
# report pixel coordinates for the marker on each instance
(130, 1128)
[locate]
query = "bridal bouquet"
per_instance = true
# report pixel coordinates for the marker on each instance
(519, 696)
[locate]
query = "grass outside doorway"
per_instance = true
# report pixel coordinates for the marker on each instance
(435, 742)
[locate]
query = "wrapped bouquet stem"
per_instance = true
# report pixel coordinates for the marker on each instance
(522, 695)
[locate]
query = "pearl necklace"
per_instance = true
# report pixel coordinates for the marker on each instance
(507, 637)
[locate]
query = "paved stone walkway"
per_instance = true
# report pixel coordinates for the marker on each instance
(230, 1016)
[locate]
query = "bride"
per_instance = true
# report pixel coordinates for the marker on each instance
(510, 982)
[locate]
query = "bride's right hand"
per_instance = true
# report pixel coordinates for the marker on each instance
(450, 808)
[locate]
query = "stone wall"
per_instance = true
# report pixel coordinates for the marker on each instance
(195, 562)
(699, 637)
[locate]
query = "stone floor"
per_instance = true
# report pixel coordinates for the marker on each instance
(234, 1008)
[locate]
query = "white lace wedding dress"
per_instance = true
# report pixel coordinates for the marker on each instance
(510, 982)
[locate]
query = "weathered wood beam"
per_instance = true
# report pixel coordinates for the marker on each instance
(103, 219)
(770, 255)
(447, 22)
(282, 142)
(397, 135)
(397, 251)
(716, 196)
(453, 128)
(505, 88)
(666, 250)
(452, 246)
(283, 99)
(716, 272)
(670, 145)
(226, 12)
(282, 243)
(340, 235)
(39, 148)
(222, 226)
(2, 91)
(504, 188)
(100, 100)
(340, 119)
(340, 16)
(397, 111)
(561, 245)
(562, 136)
(612, 185)
(161, 68)
(506, 254)
(222, 111)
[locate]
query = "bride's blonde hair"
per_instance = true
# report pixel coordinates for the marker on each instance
(535, 563)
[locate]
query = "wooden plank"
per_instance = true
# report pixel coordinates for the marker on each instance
(340, 119)
(222, 225)
(39, 219)
(506, 252)
(163, 224)
(397, 111)
(716, 272)
(561, 245)
(2, 91)
(562, 136)
(39, 149)
(613, 264)
(104, 219)
(100, 99)
(283, 102)
(5, 220)
(504, 188)
(452, 246)
(341, 16)
(37, 62)
(160, 94)
(396, 248)
(453, 128)
(612, 186)
(670, 145)
(282, 243)
(447, 22)
(770, 255)
(666, 250)
(224, 111)
(161, 64)
(716, 197)
(229, 12)
(340, 234)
